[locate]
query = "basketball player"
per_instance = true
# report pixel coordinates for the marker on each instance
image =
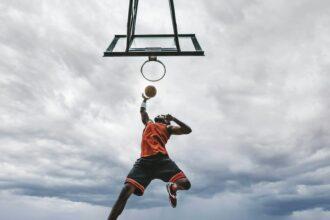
(154, 162)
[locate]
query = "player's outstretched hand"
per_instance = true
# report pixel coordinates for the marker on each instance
(145, 98)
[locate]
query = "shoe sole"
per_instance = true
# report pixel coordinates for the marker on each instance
(169, 195)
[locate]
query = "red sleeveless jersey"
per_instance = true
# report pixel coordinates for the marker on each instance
(154, 138)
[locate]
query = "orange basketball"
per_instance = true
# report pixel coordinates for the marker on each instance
(150, 91)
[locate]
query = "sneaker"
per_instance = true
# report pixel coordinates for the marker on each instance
(171, 194)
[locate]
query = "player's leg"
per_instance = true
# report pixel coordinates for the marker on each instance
(178, 182)
(181, 184)
(136, 182)
(119, 205)
(168, 171)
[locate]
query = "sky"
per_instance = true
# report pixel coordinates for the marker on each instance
(70, 127)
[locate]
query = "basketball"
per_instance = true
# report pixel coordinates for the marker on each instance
(150, 91)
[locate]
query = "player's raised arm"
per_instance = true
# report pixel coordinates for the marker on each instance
(182, 128)
(143, 110)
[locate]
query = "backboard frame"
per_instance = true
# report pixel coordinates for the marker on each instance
(151, 51)
(154, 51)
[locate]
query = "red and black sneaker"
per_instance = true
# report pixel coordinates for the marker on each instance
(171, 194)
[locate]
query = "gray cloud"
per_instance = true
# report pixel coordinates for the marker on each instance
(258, 101)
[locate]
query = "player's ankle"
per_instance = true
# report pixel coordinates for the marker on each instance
(174, 187)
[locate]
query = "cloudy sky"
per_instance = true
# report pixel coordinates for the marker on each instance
(257, 103)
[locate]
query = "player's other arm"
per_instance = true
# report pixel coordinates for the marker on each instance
(143, 110)
(182, 128)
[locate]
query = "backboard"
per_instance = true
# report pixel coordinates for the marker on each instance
(152, 45)
(155, 45)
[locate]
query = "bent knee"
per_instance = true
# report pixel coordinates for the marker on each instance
(187, 185)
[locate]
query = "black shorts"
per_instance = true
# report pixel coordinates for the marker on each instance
(146, 169)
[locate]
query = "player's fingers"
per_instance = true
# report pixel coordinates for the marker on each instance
(144, 97)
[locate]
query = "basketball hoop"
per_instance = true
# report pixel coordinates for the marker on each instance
(151, 74)
(152, 45)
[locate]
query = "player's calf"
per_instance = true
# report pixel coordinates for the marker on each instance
(119, 205)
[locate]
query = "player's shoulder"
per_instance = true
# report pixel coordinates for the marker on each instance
(150, 122)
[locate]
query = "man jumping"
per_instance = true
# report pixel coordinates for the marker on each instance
(154, 162)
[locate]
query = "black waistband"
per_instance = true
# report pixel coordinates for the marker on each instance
(155, 156)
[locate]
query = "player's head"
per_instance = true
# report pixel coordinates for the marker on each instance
(162, 119)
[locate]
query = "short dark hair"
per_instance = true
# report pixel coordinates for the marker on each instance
(159, 119)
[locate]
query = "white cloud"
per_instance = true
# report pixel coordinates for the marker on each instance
(257, 103)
